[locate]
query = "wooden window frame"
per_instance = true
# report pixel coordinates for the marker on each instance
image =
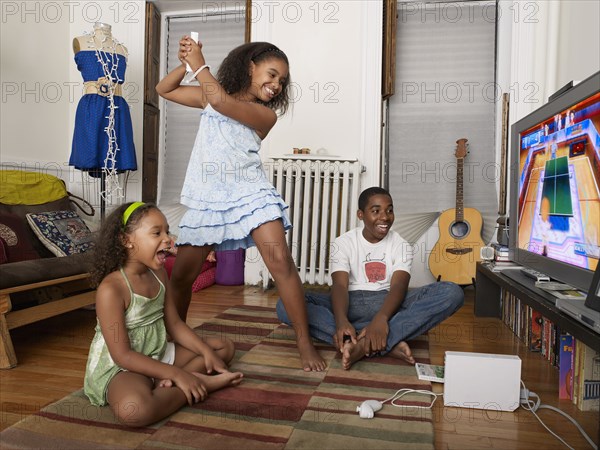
(388, 69)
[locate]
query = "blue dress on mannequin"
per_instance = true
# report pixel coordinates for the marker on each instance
(90, 140)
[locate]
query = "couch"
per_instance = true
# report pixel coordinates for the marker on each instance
(39, 220)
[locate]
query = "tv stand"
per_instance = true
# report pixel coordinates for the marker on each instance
(488, 289)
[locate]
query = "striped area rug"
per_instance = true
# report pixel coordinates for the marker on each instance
(277, 406)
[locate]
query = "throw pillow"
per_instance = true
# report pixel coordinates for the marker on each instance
(204, 280)
(62, 232)
(18, 243)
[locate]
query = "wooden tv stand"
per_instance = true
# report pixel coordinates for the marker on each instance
(488, 288)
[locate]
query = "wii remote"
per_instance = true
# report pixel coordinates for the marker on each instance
(188, 78)
(537, 276)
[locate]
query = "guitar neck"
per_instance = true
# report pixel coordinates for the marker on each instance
(460, 207)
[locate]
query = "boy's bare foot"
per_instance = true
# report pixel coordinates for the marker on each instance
(216, 382)
(311, 360)
(402, 351)
(352, 353)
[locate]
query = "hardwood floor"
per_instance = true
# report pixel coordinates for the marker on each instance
(52, 356)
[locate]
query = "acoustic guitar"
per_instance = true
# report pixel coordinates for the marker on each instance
(454, 255)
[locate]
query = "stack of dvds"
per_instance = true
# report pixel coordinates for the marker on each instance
(501, 252)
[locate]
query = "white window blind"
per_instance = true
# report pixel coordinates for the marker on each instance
(445, 90)
(219, 34)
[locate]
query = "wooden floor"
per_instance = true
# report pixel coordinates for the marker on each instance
(52, 356)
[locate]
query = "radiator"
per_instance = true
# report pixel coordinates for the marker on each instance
(323, 198)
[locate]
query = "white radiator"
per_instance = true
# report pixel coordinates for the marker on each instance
(323, 198)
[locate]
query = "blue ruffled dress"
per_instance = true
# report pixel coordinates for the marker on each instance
(90, 141)
(225, 188)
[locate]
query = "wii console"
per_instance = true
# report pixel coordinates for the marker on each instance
(482, 381)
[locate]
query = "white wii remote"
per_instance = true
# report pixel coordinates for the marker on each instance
(188, 78)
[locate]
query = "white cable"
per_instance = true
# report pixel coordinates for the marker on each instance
(532, 406)
(402, 392)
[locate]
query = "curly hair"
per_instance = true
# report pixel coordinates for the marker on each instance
(363, 198)
(233, 72)
(110, 253)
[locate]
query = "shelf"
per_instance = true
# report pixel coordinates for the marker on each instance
(488, 287)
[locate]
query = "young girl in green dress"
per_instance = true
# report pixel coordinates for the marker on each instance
(131, 365)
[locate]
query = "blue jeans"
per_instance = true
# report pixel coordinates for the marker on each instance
(422, 309)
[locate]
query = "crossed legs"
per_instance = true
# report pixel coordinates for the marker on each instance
(136, 400)
(422, 309)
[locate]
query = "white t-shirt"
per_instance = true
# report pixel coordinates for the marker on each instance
(370, 266)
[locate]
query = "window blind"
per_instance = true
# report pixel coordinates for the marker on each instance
(445, 90)
(219, 34)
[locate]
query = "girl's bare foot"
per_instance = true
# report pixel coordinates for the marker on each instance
(216, 382)
(402, 351)
(163, 383)
(352, 353)
(311, 360)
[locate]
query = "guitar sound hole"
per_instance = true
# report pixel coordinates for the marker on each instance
(459, 230)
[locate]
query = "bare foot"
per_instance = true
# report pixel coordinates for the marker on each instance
(311, 360)
(352, 353)
(163, 383)
(403, 352)
(216, 382)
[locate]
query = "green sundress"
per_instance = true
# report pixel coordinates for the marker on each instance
(147, 335)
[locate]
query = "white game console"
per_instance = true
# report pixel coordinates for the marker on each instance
(482, 381)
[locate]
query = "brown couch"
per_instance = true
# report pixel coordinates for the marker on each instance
(36, 284)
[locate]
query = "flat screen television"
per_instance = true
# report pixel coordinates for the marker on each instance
(554, 191)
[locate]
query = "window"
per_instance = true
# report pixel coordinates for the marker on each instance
(445, 90)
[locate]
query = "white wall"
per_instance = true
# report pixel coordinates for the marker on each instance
(553, 42)
(36, 93)
(41, 85)
(334, 50)
(579, 41)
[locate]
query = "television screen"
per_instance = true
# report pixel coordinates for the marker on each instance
(556, 189)
(559, 201)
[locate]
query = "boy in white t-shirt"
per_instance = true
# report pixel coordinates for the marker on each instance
(369, 310)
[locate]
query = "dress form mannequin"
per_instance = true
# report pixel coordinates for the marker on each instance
(100, 39)
(103, 135)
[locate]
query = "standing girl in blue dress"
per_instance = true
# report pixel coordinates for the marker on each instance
(231, 203)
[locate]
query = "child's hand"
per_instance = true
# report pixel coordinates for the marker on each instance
(344, 331)
(211, 257)
(376, 335)
(192, 387)
(214, 363)
(190, 52)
